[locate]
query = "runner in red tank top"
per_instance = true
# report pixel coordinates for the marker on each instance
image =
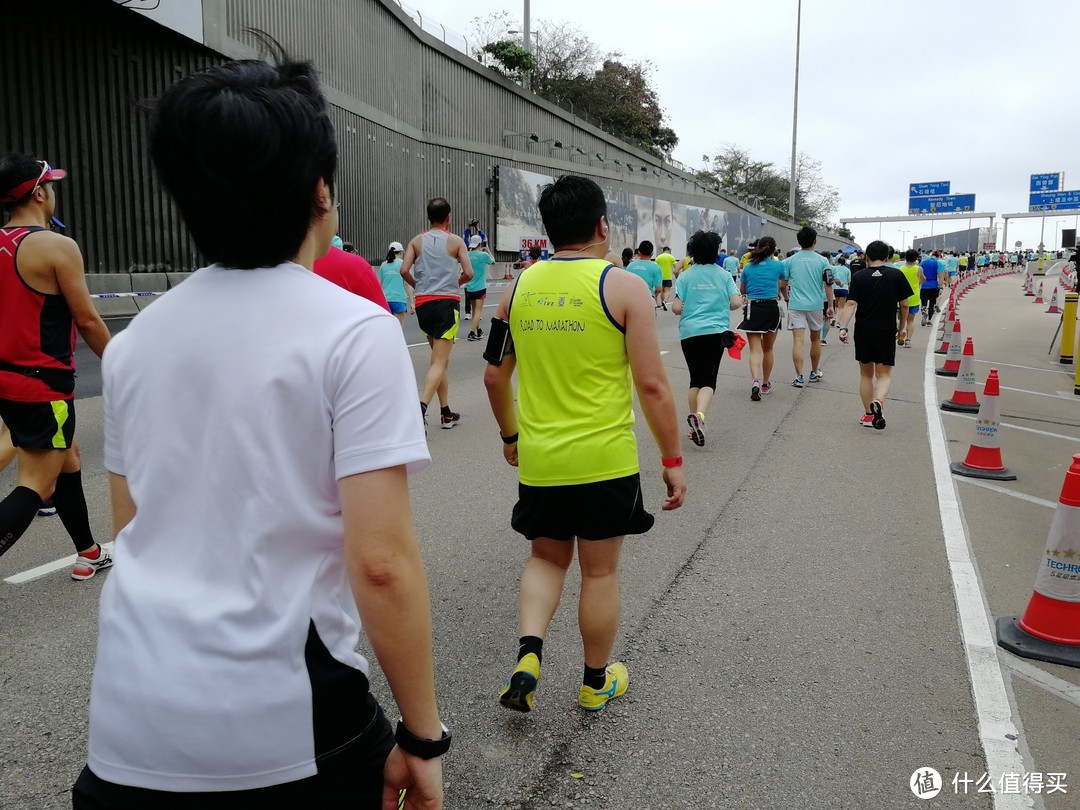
(43, 299)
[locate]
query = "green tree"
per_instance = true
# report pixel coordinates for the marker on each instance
(571, 70)
(510, 58)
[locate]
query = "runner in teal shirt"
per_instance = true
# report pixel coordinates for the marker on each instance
(393, 286)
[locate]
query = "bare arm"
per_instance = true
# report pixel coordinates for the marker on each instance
(72, 283)
(735, 302)
(677, 306)
(462, 254)
(123, 507)
(499, 383)
(635, 312)
(407, 263)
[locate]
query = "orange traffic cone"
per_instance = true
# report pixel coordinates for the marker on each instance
(946, 332)
(984, 456)
(1050, 628)
(1054, 308)
(1029, 289)
(952, 357)
(1038, 298)
(963, 398)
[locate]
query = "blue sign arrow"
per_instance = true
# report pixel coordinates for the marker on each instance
(1046, 182)
(929, 189)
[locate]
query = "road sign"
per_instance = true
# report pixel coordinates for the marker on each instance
(941, 204)
(1019, 244)
(1046, 182)
(929, 189)
(1055, 201)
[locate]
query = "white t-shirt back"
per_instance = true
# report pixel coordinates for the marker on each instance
(232, 407)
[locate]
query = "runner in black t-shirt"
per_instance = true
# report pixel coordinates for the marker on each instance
(875, 291)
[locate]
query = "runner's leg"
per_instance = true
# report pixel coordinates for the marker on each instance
(798, 350)
(866, 384)
(815, 350)
(767, 341)
(435, 379)
(883, 381)
(598, 606)
(542, 584)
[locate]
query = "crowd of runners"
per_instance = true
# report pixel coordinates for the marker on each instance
(295, 398)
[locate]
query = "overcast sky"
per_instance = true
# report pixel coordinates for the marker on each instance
(982, 93)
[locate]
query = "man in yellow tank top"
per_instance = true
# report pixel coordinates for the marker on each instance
(584, 337)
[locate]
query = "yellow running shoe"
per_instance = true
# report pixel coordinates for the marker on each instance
(520, 690)
(615, 686)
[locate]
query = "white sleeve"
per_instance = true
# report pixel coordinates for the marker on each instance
(375, 410)
(114, 448)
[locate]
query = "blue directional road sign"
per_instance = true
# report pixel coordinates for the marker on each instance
(1055, 201)
(942, 204)
(1046, 182)
(929, 189)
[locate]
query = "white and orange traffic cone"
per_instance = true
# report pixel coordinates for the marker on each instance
(984, 456)
(946, 331)
(952, 357)
(963, 398)
(1029, 290)
(1038, 297)
(1050, 627)
(1054, 308)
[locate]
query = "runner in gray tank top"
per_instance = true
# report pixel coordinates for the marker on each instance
(436, 264)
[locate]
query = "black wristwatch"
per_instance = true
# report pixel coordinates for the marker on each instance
(508, 439)
(418, 746)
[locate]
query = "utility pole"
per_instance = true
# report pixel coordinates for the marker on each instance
(794, 113)
(527, 36)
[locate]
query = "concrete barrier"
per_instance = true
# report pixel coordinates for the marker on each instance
(148, 282)
(112, 283)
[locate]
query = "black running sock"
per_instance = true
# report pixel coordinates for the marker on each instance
(445, 410)
(595, 678)
(423, 409)
(17, 512)
(531, 644)
(70, 503)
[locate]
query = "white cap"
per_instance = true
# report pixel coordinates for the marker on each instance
(397, 246)
(475, 240)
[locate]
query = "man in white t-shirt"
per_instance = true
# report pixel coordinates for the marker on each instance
(260, 422)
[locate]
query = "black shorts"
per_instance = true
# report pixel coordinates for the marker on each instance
(596, 511)
(761, 315)
(666, 282)
(477, 295)
(875, 345)
(438, 318)
(40, 425)
(703, 354)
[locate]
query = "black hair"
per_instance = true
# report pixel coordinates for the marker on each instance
(627, 256)
(911, 256)
(764, 248)
(571, 209)
(705, 247)
(877, 251)
(645, 249)
(241, 147)
(391, 255)
(825, 254)
(535, 252)
(16, 169)
(348, 247)
(438, 209)
(806, 236)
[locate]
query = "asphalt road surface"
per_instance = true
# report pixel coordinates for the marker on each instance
(791, 633)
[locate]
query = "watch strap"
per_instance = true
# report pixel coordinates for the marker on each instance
(418, 746)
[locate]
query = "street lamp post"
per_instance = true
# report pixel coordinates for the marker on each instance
(527, 36)
(794, 113)
(903, 239)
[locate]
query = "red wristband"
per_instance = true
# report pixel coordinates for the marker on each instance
(672, 462)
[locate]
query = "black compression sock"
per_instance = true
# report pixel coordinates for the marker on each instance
(70, 503)
(530, 644)
(595, 678)
(17, 512)
(445, 410)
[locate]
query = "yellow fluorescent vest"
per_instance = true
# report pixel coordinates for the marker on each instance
(575, 392)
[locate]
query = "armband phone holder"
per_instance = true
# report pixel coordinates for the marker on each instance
(500, 343)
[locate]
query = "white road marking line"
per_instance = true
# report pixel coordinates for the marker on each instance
(1019, 427)
(1051, 683)
(1056, 395)
(1012, 492)
(1029, 368)
(47, 568)
(987, 683)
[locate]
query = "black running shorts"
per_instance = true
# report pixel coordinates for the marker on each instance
(438, 318)
(40, 425)
(875, 345)
(596, 511)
